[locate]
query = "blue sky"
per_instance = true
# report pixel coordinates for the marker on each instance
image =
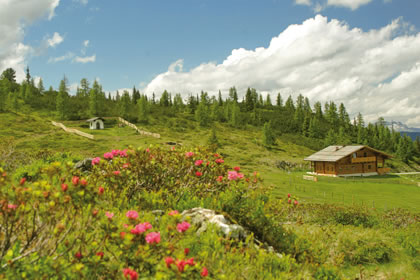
(133, 43)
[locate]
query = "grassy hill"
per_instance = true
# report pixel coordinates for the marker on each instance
(342, 228)
(33, 134)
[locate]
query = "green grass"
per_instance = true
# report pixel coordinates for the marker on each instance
(34, 133)
(381, 192)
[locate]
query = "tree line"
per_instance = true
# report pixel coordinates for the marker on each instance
(328, 124)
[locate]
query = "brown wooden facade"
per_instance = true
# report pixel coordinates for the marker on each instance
(358, 162)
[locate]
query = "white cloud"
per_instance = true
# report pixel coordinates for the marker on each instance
(303, 2)
(85, 59)
(85, 46)
(375, 72)
(67, 56)
(14, 17)
(352, 4)
(55, 40)
(83, 2)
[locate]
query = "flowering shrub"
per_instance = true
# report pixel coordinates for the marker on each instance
(69, 225)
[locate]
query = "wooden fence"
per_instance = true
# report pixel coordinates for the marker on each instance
(72, 130)
(142, 132)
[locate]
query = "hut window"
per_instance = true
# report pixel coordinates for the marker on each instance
(369, 166)
(365, 154)
(354, 155)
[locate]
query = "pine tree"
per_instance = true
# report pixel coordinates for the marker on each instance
(201, 114)
(268, 136)
(213, 141)
(268, 103)
(135, 95)
(235, 122)
(125, 105)
(233, 94)
(164, 99)
(142, 109)
(220, 100)
(28, 76)
(279, 101)
(41, 88)
(331, 138)
(62, 99)
(94, 103)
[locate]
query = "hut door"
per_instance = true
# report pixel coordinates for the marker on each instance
(98, 125)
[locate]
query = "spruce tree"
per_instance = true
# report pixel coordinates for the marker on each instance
(279, 101)
(142, 109)
(213, 141)
(62, 99)
(268, 138)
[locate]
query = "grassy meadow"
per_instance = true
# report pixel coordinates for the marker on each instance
(34, 132)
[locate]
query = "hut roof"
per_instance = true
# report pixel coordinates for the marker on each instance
(94, 119)
(335, 153)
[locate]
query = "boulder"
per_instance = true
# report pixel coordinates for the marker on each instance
(84, 165)
(202, 217)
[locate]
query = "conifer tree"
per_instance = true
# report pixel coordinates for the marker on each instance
(234, 119)
(213, 141)
(331, 138)
(142, 109)
(41, 88)
(220, 100)
(268, 136)
(62, 99)
(233, 94)
(279, 101)
(125, 105)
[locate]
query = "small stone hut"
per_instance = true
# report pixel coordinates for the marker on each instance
(96, 123)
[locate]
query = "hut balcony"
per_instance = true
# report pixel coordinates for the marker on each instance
(363, 159)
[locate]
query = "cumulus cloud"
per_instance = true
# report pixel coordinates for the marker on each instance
(85, 59)
(55, 40)
(67, 56)
(83, 2)
(352, 4)
(322, 4)
(14, 16)
(374, 72)
(303, 2)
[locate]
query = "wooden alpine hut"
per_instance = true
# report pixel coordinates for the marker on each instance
(348, 161)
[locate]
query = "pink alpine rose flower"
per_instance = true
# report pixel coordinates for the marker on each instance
(233, 175)
(116, 173)
(173, 213)
(109, 215)
(153, 237)
(108, 155)
(115, 152)
(181, 265)
(219, 161)
(219, 179)
(123, 153)
(96, 160)
(183, 226)
(204, 272)
(22, 181)
(189, 154)
(125, 165)
(75, 180)
(169, 261)
(101, 190)
(131, 214)
(130, 274)
(12, 206)
(198, 174)
(237, 168)
(198, 162)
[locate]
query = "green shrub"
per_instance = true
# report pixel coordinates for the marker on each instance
(327, 273)
(356, 246)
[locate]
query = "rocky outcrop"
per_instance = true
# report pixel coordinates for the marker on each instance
(84, 165)
(203, 217)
